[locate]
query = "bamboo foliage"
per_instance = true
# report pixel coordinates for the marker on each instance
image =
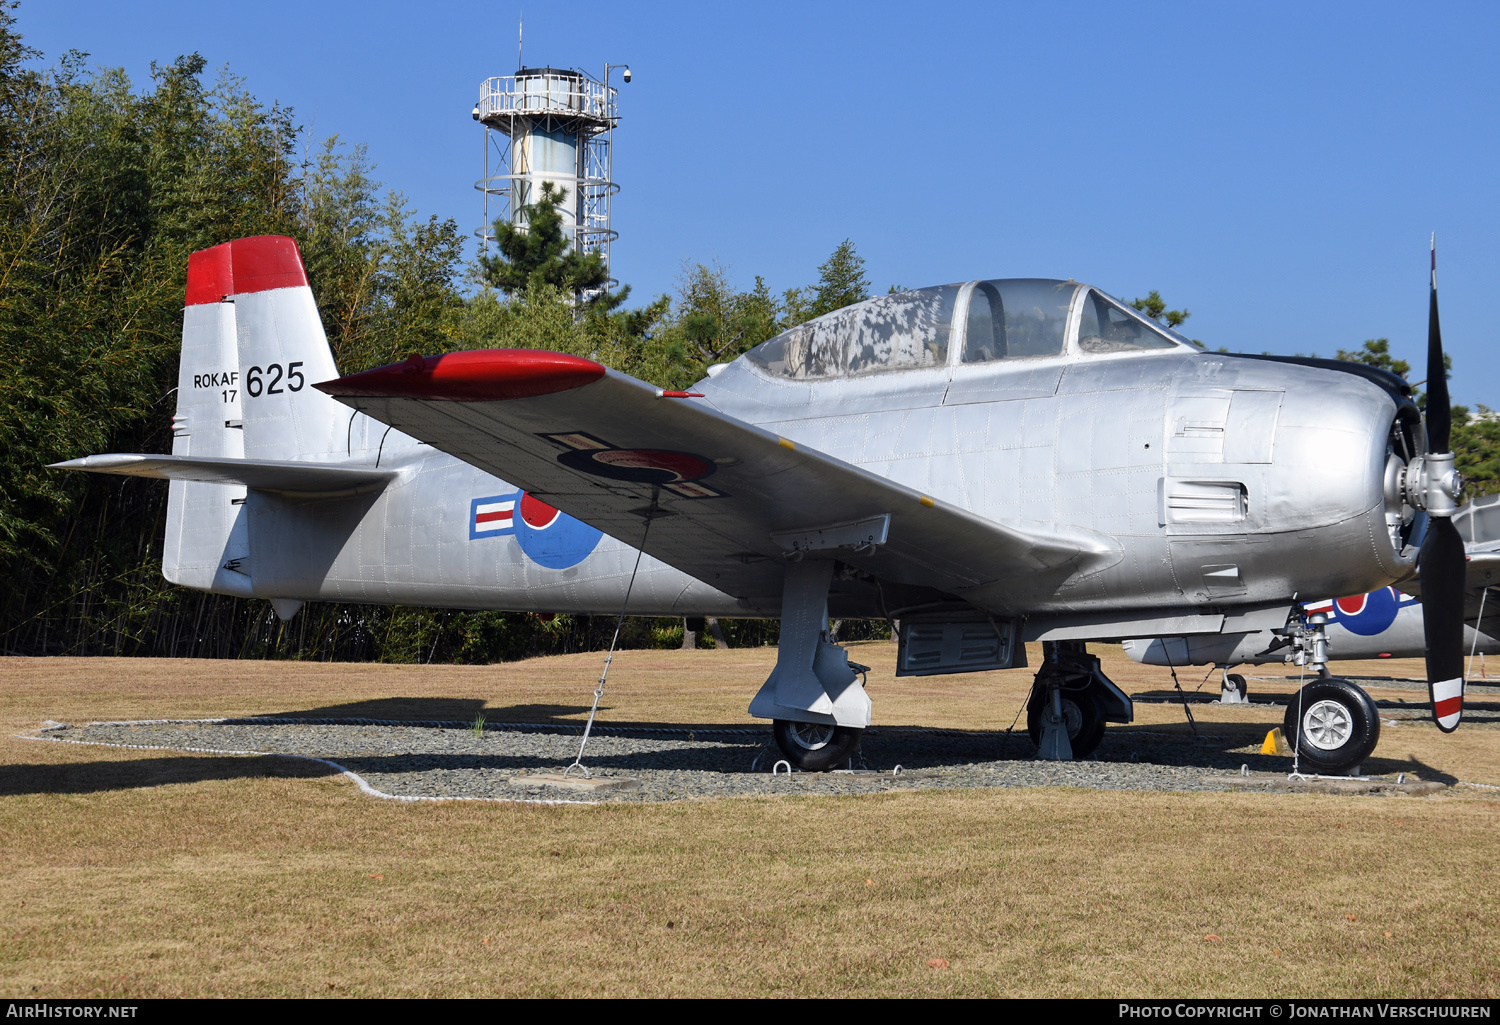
(105, 190)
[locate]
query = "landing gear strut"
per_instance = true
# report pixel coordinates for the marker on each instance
(1071, 700)
(813, 697)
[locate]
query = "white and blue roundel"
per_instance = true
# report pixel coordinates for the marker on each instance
(549, 537)
(1365, 614)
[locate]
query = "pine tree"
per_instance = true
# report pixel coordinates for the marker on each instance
(535, 252)
(841, 281)
(1376, 352)
(1155, 307)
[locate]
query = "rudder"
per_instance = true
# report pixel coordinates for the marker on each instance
(206, 543)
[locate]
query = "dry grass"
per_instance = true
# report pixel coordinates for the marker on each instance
(142, 873)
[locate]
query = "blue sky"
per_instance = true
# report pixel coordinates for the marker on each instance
(1275, 167)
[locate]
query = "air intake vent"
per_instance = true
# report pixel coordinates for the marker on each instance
(928, 647)
(1188, 501)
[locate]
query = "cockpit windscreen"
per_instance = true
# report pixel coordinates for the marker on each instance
(1107, 326)
(1017, 317)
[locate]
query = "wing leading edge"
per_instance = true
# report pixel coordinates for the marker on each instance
(728, 500)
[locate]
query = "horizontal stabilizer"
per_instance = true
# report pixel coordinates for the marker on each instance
(262, 475)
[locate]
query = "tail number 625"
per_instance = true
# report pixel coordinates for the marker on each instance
(255, 385)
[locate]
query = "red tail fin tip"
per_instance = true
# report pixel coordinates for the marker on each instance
(245, 265)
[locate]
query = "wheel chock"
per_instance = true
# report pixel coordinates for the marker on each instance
(1276, 744)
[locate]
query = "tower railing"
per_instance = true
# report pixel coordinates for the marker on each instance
(560, 94)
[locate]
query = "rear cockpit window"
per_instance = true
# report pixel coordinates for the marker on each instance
(903, 331)
(1015, 318)
(1107, 326)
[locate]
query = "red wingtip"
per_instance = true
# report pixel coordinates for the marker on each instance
(245, 265)
(479, 375)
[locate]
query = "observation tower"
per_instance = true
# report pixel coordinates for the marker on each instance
(546, 125)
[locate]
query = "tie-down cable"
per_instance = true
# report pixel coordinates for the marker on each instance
(599, 690)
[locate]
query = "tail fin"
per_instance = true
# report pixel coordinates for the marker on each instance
(252, 343)
(282, 350)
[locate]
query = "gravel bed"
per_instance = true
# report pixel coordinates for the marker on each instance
(430, 761)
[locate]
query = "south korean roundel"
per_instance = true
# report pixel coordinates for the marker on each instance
(547, 536)
(552, 538)
(1367, 614)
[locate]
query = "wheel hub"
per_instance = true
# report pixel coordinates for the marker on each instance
(812, 736)
(1072, 717)
(1327, 725)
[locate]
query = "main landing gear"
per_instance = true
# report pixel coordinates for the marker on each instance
(1071, 700)
(818, 708)
(815, 747)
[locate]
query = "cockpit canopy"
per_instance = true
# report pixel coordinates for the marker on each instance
(984, 321)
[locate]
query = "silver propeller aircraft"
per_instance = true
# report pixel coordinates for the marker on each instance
(985, 463)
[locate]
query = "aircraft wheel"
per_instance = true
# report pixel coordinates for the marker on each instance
(1081, 710)
(1339, 725)
(816, 747)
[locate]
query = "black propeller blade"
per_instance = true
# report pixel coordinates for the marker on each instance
(1441, 561)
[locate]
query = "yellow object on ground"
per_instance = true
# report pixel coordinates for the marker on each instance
(1275, 744)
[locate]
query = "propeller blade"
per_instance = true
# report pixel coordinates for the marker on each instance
(1441, 565)
(1439, 410)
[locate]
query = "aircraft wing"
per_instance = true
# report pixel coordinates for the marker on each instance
(728, 501)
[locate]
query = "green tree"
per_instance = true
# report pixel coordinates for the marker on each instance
(104, 192)
(841, 281)
(1376, 352)
(1155, 307)
(718, 322)
(535, 252)
(1476, 450)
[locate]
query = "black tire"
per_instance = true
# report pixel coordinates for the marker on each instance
(815, 747)
(1084, 714)
(1342, 725)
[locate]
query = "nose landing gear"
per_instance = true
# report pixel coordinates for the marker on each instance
(1332, 724)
